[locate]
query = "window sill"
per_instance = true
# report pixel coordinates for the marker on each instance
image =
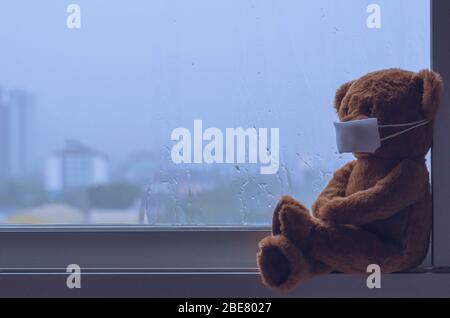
(190, 285)
(181, 262)
(155, 250)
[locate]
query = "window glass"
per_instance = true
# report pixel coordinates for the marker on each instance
(125, 112)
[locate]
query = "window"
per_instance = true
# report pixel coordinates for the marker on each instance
(88, 171)
(90, 113)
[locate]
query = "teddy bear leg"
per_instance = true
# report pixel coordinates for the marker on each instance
(286, 199)
(351, 249)
(283, 265)
(297, 224)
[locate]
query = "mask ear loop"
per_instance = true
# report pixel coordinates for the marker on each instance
(418, 124)
(403, 125)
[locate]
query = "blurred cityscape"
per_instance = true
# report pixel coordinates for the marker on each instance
(81, 185)
(85, 137)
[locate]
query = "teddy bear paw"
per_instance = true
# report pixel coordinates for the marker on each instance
(297, 225)
(282, 265)
(285, 200)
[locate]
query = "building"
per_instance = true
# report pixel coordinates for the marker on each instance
(17, 131)
(76, 166)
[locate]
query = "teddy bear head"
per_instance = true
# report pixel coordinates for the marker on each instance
(394, 96)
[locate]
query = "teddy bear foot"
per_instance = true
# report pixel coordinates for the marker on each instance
(297, 225)
(281, 264)
(285, 200)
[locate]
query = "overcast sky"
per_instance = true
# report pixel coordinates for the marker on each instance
(139, 68)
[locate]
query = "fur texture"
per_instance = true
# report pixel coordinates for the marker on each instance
(377, 208)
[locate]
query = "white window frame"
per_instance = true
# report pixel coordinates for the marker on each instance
(214, 261)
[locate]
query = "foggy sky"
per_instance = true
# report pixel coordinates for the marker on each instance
(139, 68)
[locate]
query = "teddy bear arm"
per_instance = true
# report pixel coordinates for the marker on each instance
(335, 188)
(402, 187)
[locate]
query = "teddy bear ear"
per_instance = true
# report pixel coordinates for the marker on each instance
(432, 92)
(340, 94)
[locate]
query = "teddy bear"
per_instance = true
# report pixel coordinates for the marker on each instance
(376, 209)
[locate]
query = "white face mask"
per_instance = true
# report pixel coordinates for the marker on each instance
(363, 136)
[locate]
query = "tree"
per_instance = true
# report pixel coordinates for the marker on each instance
(113, 196)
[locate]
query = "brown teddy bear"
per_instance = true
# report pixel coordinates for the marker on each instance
(377, 208)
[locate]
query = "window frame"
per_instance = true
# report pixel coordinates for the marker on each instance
(440, 51)
(174, 261)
